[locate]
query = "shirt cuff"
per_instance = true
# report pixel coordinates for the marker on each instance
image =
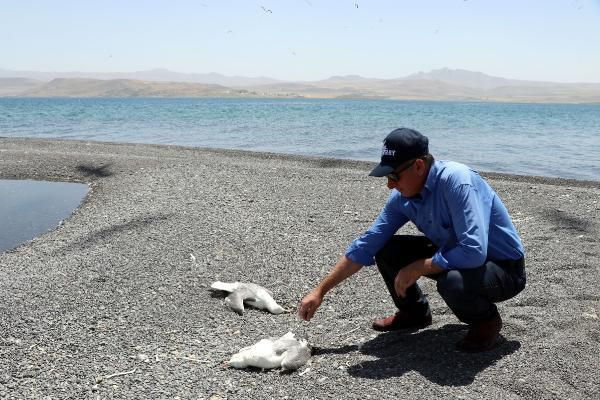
(439, 260)
(360, 256)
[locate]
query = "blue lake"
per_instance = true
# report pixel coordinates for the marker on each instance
(559, 140)
(30, 208)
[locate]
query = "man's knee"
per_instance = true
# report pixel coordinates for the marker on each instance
(450, 285)
(401, 250)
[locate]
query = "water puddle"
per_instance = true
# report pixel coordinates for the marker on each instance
(30, 208)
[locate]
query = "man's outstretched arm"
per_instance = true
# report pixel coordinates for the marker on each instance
(343, 269)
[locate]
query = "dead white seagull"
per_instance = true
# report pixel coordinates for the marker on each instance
(287, 353)
(249, 293)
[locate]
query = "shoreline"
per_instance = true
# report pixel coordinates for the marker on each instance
(325, 161)
(367, 98)
(115, 302)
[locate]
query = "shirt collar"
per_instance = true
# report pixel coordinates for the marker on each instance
(429, 186)
(432, 180)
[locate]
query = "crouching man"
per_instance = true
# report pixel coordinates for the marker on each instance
(470, 246)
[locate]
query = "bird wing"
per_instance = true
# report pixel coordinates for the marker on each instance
(225, 286)
(263, 299)
(236, 299)
(259, 355)
(296, 356)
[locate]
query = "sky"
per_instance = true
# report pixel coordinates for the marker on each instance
(547, 40)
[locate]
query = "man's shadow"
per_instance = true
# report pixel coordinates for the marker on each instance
(430, 352)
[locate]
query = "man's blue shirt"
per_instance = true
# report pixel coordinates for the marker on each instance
(457, 210)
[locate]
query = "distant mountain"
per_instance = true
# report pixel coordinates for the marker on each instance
(209, 78)
(442, 84)
(158, 74)
(15, 86)
(378, 89)
(477, 80)
(462, 87)
(81, 87)
(346, 78)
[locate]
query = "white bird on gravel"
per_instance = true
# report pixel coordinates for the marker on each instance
(286, 352)
(249, 293)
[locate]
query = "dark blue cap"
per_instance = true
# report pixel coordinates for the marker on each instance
(399, 146)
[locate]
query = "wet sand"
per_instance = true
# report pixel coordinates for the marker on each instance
(121, 287)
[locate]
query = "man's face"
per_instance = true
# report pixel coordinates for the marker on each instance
(408, 178)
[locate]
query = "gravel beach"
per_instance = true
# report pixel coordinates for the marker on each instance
(115, 302)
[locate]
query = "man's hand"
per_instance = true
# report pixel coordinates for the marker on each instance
(342, 270)
(309, 305)
(408, 275)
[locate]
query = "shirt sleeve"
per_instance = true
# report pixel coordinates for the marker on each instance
(363, 249)
(470, 226)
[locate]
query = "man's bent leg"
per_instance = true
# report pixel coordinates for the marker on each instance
(471, 294)
(399, 252)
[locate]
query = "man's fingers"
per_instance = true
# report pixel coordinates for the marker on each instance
(402, 282)
(305, 312)
(307, 316)
(400, 289)
(302, 312)
(399, 292)
(308, 307)
(309, 313)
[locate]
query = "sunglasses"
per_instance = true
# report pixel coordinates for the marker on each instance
(395, 176)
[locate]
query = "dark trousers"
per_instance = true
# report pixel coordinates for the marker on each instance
(470, 293)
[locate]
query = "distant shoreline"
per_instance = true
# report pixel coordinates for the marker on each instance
(340, 98)
(442, 85)
(324, 162)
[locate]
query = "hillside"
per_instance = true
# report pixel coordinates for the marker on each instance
(80, 87)
(442, 84)
(16, 86)
(157, 74)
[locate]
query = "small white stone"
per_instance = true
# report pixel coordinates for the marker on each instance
(591, 315)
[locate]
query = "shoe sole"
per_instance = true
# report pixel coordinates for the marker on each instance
(403, 329)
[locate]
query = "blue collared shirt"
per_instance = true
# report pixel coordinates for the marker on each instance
(457, 210)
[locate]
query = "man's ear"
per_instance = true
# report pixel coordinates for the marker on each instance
(421, 166)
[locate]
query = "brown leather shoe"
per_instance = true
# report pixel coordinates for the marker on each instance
(482, 335)
(401, 320)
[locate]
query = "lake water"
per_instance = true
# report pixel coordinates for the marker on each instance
(30, 208)
(560, 140)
